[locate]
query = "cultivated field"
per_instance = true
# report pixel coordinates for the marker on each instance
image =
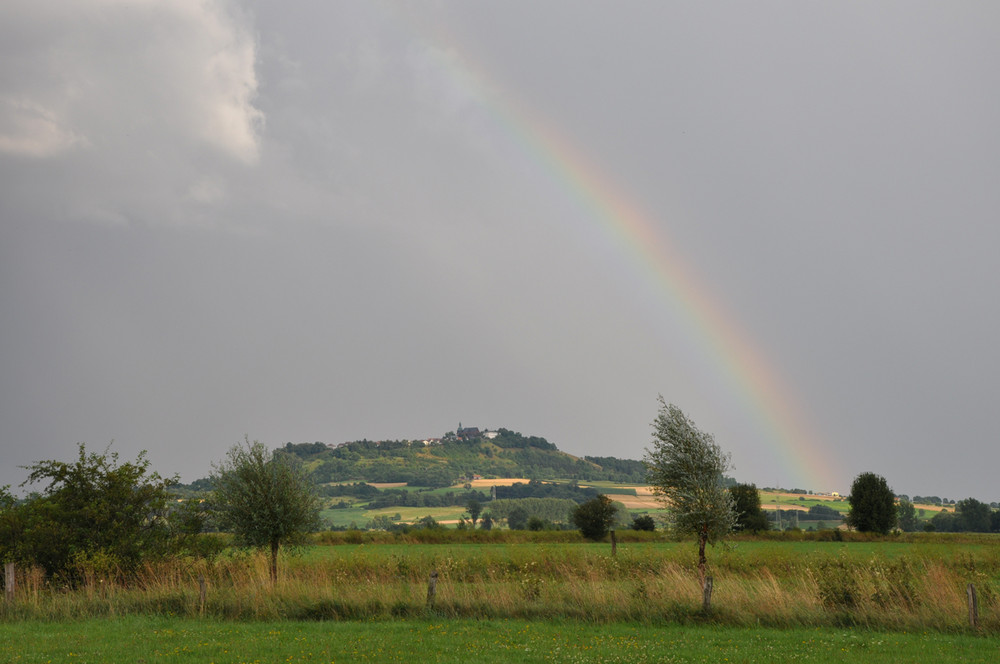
(635, 497)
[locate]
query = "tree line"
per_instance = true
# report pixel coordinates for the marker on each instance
(99, 512)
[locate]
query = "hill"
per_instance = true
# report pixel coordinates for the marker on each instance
(465, 454)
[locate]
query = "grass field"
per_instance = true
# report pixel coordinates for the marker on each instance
(915, 584)
(147, 639)
(528, 597)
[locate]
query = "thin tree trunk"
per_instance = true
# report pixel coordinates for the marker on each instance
(706, 581)
(274, 562)
(702, 540)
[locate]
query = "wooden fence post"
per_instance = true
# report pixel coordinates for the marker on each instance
(202, 593)
(8, 582)
(432, 588)
(973, 607)
(614, 544)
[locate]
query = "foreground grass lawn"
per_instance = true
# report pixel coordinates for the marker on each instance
(188, 640)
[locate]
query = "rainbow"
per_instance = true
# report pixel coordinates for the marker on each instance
(643, 245)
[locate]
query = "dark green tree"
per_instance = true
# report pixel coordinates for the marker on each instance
(265, 499)
(907, 517)
(475, 509)
(749, 515)
(873, 505)
(643, 522)
(943, 522)
(93, 512)
(537, 523)
(823, 512)
(517, 519)
(429, 523)
(595, 517)
(486, 523)
(973, 516)
(686, 471)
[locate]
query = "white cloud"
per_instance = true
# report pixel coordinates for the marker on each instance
(128, 75)
(207, 191)
(29, 129)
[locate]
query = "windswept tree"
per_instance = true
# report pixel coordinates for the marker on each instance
(686, 470)
(265, 499)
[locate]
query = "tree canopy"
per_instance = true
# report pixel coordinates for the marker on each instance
(265, 499)
(749, 515)
(873, 504)
(686, 470)
(93, 513)
(595, 517)
(906, 516)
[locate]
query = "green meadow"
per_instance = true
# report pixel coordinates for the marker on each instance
(147, 639)
(914, 583)
(503, 596)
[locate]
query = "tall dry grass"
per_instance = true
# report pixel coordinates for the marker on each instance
(540, 581)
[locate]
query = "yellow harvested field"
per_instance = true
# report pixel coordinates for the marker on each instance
(643, 499)
(646, 502)
(784, 507)
(504, 481)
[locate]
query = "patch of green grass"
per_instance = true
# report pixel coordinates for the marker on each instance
(345, 517)
(462, 641)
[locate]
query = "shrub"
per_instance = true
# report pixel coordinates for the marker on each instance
(95, 509)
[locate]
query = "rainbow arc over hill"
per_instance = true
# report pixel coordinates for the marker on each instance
(644, 246)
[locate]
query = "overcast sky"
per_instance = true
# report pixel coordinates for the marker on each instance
(320, 221)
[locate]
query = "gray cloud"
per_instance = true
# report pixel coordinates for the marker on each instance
(327, 222)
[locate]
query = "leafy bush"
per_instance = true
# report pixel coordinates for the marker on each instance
(93, 513)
